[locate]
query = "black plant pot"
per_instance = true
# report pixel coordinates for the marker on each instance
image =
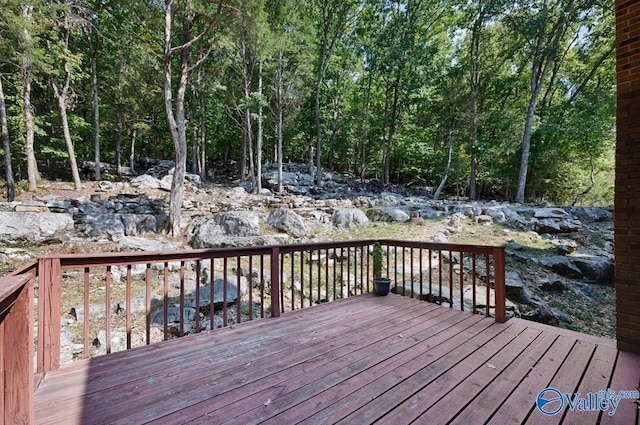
(381, 285)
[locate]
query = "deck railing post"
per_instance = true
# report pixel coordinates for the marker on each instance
(17, 383)
(499, 284)
(275, 281)
(49, 284)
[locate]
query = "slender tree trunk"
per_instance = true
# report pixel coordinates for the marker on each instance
(392, 128)
(119, 131)
(132, 154)
(95, 110)
(475, 87)
(33, 175)
(365, 132)
(194, 150)
(334, 131)
(318, 132)
(280, 113)
(203, 122)
(61, 96)
(526, 146)
(176, 120)
(436, 195)
(11, 191)
(543, 58)
(258, 186)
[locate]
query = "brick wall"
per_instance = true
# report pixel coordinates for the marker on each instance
(627, 197)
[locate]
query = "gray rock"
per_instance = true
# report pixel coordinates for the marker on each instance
(592, 214)
(238, 223)
(103, 225)
(554, 225)
(515, 288)
(496, 214)
(288, 221)
(484, 219)
(218, 291)
(555, 286)
(133, 243)
(555, 213)
(145, 181)
(35, 227)
(387, 214)
(138, 224)
(173, 315)
(214, 231)
(542, 314)
(597, 269)
(346, 218)
(564, 266)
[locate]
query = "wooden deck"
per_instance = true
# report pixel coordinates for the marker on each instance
(360, 360)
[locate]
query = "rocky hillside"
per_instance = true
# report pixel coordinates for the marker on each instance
(560, 260)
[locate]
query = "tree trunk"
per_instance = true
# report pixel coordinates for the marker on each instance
(11, 191)
(526, 146)
(33, 175)
(119, 131)
(543, 57)
(280, 113)
(436, 195)
(392, 128)
(318, 132)
(132, 154)
(334, 131)
(258, 186)
(95, 110)
(176, 121)
(62, 106)
(475, 87)
(203, 124)
(194, 150)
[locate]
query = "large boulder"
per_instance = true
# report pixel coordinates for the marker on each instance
(389, 214)
(145, 181)
(599, 269)
(117, 226)
(216, 230)
(219, 292)
(34, 227)
(345, 218)
(238, 223)
(516, 290)
(554, 220)
(288, 221)
(564, 266)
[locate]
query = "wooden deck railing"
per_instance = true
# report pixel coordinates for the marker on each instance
(117, 301)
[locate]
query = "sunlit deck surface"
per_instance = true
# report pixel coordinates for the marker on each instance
(359, 360)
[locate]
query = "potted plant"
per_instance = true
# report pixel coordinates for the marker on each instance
(380, 284)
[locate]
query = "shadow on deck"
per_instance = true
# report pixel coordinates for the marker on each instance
(359, 360)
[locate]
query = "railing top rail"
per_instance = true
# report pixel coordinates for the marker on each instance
(457, 247)
(31, 268)
(9, 288)
(143, 257)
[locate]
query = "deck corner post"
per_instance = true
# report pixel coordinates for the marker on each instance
(275, 281)
(499, 284)
(17, 381)
(49, 285)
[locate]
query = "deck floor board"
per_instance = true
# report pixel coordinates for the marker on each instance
(358, 360)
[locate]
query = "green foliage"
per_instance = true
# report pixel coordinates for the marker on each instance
(398, 82)
(377, 255)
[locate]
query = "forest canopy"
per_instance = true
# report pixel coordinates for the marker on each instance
(487, 99)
